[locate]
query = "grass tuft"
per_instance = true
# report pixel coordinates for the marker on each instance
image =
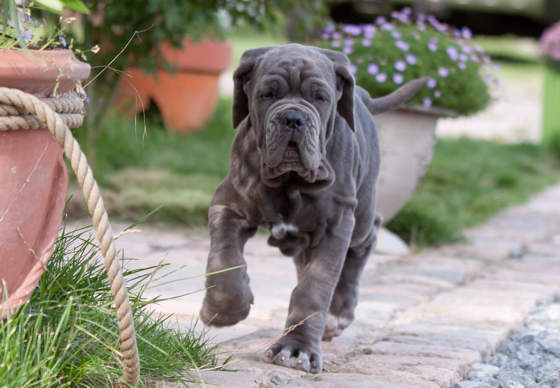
(66, 335)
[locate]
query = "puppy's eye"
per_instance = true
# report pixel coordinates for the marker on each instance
(319, 97)
(267, 95)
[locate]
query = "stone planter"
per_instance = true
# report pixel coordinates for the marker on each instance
(185, 97)
(407, 139)
(33, 174)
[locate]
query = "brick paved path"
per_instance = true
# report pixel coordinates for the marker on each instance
(422, 321)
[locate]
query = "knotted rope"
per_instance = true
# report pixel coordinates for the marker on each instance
(23, 111)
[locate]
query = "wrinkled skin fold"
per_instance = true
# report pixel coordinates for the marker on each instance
(304, 164)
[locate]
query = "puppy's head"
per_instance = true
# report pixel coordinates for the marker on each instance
(291, 94)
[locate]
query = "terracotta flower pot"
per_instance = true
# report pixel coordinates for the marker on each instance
(33, 174)
(185, 97)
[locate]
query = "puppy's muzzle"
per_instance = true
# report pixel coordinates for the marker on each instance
(292, 139)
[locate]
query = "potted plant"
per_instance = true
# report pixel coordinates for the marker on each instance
(549, 47)
(33, 58)
(185, 91)
(390, 52)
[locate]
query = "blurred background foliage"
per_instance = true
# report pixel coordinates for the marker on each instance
(142, 166)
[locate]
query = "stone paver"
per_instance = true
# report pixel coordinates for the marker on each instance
(423, 319)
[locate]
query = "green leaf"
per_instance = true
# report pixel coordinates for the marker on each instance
(76, 5)
(54, 6)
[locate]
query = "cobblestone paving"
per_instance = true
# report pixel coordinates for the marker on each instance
(423, 319)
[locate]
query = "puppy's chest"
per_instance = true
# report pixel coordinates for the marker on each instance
(297, 221)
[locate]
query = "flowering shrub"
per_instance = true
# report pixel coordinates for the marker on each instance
(18, 29)
(389, 53)
(549, 45)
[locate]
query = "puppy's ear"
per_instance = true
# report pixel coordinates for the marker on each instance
(345, 82)
(240, 77)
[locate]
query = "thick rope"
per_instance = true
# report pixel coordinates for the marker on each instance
(36, 113)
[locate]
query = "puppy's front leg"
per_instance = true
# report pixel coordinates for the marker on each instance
(228, 296)
(300, 346)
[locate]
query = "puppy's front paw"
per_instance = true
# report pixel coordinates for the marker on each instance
(221, 308)
(292, 353)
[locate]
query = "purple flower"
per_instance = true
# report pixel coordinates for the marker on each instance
(353, 69)
(335, 43)
(27, 36)
(369, 31)
(462, 65)
(466, 33)
(372, 69)
(352, 29)
(381, 77)
(443, 72)
(348, 42)
(411, 59)
(432, 46)
(398, 78)
(437, 94)
(478, 48)
(366, 42)
(336, 35)
(475, 58)
(387, 26)
(431, 83)
(402, 45)
(463, 58)
(325, 36)
(380, 20)
(396, 35)
(466, 48)
(359, 60)
(427, 102)
(453, 53)
(347, 50)
(400, 65)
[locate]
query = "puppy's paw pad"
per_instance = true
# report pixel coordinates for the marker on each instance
(294, 356)
(215, 315)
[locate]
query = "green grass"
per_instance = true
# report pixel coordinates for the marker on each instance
(141, 172)
(246, 39)
(467, 182)
(510, 48)
(66, 335)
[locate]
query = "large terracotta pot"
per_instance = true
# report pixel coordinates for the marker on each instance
(185, 97)
(406, 139)
(33, 174)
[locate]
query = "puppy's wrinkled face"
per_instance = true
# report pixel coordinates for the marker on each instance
(292, 101)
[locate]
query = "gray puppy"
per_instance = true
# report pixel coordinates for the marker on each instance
(304, 164)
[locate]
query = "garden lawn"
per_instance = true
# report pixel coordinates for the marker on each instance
(467, 181)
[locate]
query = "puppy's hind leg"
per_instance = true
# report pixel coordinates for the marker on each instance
(345, 298)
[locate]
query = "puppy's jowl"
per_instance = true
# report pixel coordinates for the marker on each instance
(304, 164)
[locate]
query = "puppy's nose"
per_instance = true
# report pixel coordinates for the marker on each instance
(293, 120)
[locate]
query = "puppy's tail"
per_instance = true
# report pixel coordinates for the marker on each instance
(393, 100)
